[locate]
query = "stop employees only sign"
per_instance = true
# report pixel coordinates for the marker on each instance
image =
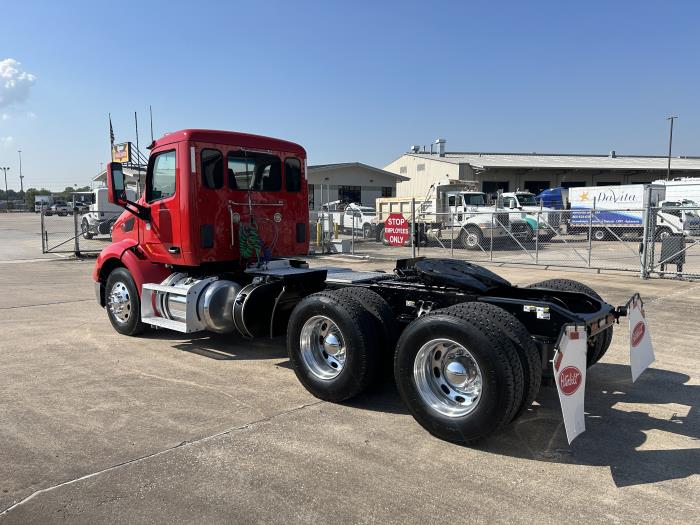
(396, 229)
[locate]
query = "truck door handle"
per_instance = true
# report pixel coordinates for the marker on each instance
(174, 250)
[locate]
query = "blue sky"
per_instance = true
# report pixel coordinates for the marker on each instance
(350, 81)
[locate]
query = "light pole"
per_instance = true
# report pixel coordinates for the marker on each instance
(7, 195)
(21, 177)
(670, 144)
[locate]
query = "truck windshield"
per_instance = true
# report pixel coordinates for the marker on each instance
(474, 199)
(527, 199)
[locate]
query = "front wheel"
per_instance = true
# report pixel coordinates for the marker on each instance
(123, 303)
(471, 238)
(85, 229)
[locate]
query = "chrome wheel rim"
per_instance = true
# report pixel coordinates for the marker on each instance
(471, 239)
(447, 377)
(119, 302)
(322, 347)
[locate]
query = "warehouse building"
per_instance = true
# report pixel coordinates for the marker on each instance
(531, 171)
(350, 182)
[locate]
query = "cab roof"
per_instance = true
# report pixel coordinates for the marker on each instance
(230, 138)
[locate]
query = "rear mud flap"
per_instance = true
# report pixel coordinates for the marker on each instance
(570, 378)
(641, 349)
(569, 364)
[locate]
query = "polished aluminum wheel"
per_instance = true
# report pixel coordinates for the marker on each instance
(322, 347)
(448, 377)
(119, 302)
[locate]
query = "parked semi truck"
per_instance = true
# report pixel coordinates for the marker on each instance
(455, 208)
(214, 241)
(609, 211)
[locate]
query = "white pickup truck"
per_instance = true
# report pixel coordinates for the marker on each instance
(350, 217)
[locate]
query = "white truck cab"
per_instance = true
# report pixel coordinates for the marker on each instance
(101, 214)
(532, 213)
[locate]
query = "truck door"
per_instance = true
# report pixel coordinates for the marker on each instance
(161, 233)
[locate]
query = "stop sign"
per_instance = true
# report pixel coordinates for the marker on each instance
(396, 229)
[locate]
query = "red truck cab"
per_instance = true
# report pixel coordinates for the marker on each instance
(205, 188)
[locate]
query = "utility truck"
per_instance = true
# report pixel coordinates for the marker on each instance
(214, 241)
(457, 209)
(610, 211)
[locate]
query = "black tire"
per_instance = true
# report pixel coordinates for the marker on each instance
(85, 228)
(132, 325)
(492, 349)
(598, 345)
(387, 326)
(358, 330)
(662, 233)
(471, 238)
(528, 353)
(599, 234)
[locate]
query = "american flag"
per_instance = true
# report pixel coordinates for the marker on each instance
(111, 131)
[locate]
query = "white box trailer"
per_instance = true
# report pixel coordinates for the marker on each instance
(608, 211)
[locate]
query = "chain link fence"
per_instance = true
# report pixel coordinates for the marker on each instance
(653, 241)
(77, 232)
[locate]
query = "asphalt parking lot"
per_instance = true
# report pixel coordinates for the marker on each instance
(100, 427)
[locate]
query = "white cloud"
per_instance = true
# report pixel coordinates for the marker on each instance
(4, 116)
(7, 141)
(15, 83)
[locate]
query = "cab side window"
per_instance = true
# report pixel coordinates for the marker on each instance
(162, 177)
(292, 174)
(212, 168)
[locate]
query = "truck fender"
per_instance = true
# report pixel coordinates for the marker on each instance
(142, 270)
(123, 254)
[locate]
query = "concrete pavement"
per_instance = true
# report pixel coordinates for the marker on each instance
(98, 427)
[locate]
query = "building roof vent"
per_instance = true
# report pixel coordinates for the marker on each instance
(415, 149)
(612, 154)
(440, 147)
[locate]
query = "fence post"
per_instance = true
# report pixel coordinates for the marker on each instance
(413, 227)
(452, 234)
(590, 232)
(76, 249)
(643, 271)
(491, 243)
(537, 239)
(352, 245)
(43, 231)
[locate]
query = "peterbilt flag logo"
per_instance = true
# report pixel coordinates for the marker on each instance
(570, 380)
(637, 333)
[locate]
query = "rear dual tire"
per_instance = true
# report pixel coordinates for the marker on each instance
(336, 340)
(466, 371)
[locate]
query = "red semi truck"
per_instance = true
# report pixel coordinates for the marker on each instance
(212, 244)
